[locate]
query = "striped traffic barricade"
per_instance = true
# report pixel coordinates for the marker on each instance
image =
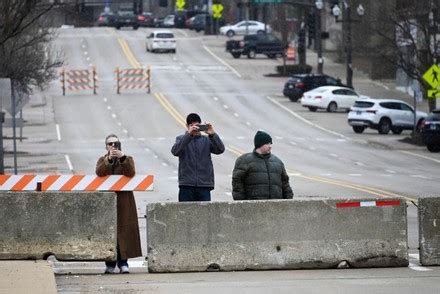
(133, 78)
(32, 182)
(78, 80)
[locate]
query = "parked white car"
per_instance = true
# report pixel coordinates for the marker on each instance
(168, 21)
(383, 115)
(331, 98)
(245, 27)
(162, 40)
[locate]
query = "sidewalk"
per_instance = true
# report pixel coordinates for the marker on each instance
(27, 276)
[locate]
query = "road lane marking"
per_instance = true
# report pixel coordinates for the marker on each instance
(224, 62)
(57, 127)
(305, 120)
(421, 156)
(69, 163)
(170, 109)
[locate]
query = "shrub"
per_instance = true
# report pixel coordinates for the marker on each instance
(294, 69)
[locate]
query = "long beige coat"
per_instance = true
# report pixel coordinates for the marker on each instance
(128, 228)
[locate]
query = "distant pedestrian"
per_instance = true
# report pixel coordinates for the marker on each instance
(196, 172)
(260, 174)
(115, 162)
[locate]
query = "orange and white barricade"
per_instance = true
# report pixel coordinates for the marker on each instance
(133, 78)
(291, 53)
(33, 182)
(78, 80)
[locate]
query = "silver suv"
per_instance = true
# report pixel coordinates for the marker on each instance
(383, 115)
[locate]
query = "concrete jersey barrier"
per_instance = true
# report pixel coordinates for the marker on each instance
(429, 230)
(70, 225)
(276, 234)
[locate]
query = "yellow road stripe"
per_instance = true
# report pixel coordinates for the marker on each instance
(170, 111)
(180, 119)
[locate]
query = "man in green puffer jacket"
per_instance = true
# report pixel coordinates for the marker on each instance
(260, 174)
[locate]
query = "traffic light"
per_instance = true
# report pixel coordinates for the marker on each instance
(163, 3)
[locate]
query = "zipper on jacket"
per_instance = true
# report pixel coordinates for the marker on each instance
(268, 176)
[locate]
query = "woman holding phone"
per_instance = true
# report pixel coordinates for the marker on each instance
(115, 162)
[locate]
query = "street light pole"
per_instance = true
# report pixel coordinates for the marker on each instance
(347, 16)
(318, 38)
(346, 24)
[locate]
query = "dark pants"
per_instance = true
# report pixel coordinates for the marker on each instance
(120, 262)
(194, 194)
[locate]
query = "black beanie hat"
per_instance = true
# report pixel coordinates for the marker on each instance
(261, 138)
(193, 117)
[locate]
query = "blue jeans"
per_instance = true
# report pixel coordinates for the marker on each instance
(120, 262)
(187, 194)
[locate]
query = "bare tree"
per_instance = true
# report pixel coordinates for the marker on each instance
(407, 37)
(26, 53)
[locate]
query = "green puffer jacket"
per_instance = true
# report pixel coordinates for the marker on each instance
(258, 176)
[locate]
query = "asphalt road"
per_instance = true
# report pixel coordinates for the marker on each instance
(324, 157)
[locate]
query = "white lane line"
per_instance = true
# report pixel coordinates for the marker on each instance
(57, 127)
(91, 64)
(248, 123)
(333, 155)
(279, 138)
(305, 120)
(88, 58)
(240, 138)
(119, 123)
(114, 115)
(294, 174)
(236, 114)
(164, 164)
(147, 149)
(194, 77)
(215, 99)
(421, 156)
(109, 107)
(293, 143)
(219, 59)
(419, 177)
(69, 163)
(355, 175)
(390, 171)
(85, 53)
(225, 106)
(125, 131)
(359, 163)
(105, 99)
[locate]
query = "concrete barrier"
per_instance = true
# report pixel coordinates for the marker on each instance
(429, 230)
(70, 225)
(282, 234)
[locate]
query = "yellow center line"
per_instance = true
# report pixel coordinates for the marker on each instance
(236, 151)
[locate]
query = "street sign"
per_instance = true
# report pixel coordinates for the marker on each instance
(5, 91)
(432, 76)
(217, 10)
(180, 4)
(433, 93)
(20, 100)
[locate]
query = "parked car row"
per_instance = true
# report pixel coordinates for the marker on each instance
(384, 115)
(126, 18)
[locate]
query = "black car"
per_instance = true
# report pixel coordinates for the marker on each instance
(430, 131)
(106, 19)
(298, 84)
(126, 19)
(199, 22)
(145, 19)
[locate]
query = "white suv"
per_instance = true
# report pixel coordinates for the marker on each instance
(383, 115)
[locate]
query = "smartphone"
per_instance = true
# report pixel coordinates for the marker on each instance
(203, 128)
(118, 145)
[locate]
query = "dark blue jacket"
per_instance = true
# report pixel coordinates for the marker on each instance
(195, 164)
